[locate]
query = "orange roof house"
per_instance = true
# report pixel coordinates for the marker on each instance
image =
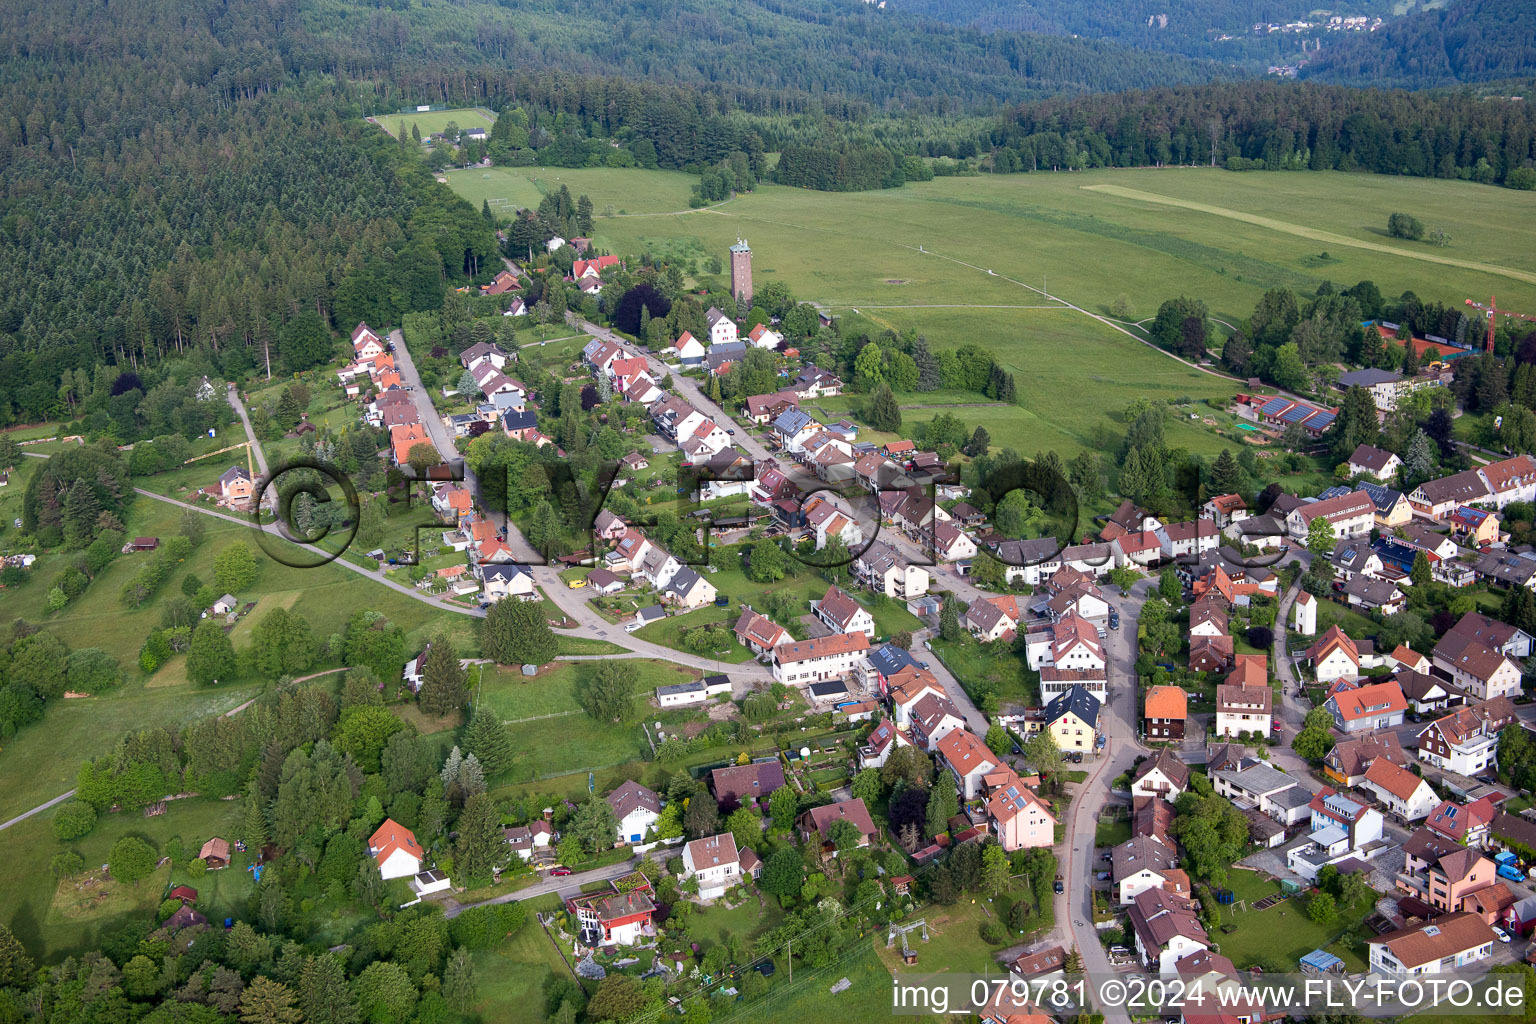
(405, 436)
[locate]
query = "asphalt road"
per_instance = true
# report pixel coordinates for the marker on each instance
(566, 885)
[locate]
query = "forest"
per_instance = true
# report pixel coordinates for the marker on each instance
(1218, 29)
(1278, 126)
(1462, 42)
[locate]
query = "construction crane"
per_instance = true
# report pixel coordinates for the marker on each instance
(1490, 311)
(249, 466)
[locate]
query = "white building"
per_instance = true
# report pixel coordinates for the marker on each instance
(714, 862)
(636, 808)
(1445, 945)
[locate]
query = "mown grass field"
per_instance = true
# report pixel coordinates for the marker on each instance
(615, 192)
(435, 120)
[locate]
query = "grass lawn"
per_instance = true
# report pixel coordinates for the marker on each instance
(55, 921)
(1110, 834)
(570, 742)
(860, 251)
(512, 975)
(867, 1000)
(1283, 931)
(615, 192)
(979, 671)
(429, 121)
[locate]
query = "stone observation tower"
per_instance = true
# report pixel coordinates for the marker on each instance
(741, 272)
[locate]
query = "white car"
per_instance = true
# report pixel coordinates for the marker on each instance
(1499, 933)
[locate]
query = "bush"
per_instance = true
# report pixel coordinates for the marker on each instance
(73, 820)
(1405, 225)
(993, 934)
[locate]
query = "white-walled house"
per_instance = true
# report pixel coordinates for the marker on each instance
(636, 807)
(714, 861)
(395, 849)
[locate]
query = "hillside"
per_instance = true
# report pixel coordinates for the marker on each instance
(839, 48)
(1468, 41)
(1216, 29)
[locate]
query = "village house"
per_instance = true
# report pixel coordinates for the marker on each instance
(1225, 510)
(1346, 763)
(236, 486)
(527, 840)
(1400, 791)
(505, 579)
(741, 785)
(1072, 643)
(636, 808)
(1477, 656)
(1341, 828)
(1167, 930)
(1374, 463)
(883, 570)
(1445, 945)
(817, 821)
(841, 613)
(687, 590)
(992, 618)
(1141, 863)
(1366, 707)
(814, 382)
(819, 659)
(759, 634)
(1334, 656)
(1466, 741)
(968, 760)
(1162, 775)
(614, 918)
(878, 745)
(722, 329)
(1263, 787)
(1244, 701)
(764, 409)
(1474, 527)
(1165, 712)
(1463, 824)
(1018, 816)
(483, 353)
(714, 863)
(1349, 515)
(1072, 719)
(395, 850)
(930, 717)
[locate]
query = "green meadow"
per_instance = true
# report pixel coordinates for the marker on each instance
(965, 260)
(75, 728)
(431, 121)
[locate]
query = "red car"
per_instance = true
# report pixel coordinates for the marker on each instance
(561, 871)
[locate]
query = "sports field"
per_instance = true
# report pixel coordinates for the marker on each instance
(435, 120)
(967, 260)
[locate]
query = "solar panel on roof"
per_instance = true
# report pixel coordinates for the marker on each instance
(1320, 420)
(1296, 414)
(1274, 405)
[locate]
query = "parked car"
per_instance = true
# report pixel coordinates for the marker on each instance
(1499, 933)
(1059, 887)
(1114, 619)
(1102, 876)
(731, 431)
(765, 968)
